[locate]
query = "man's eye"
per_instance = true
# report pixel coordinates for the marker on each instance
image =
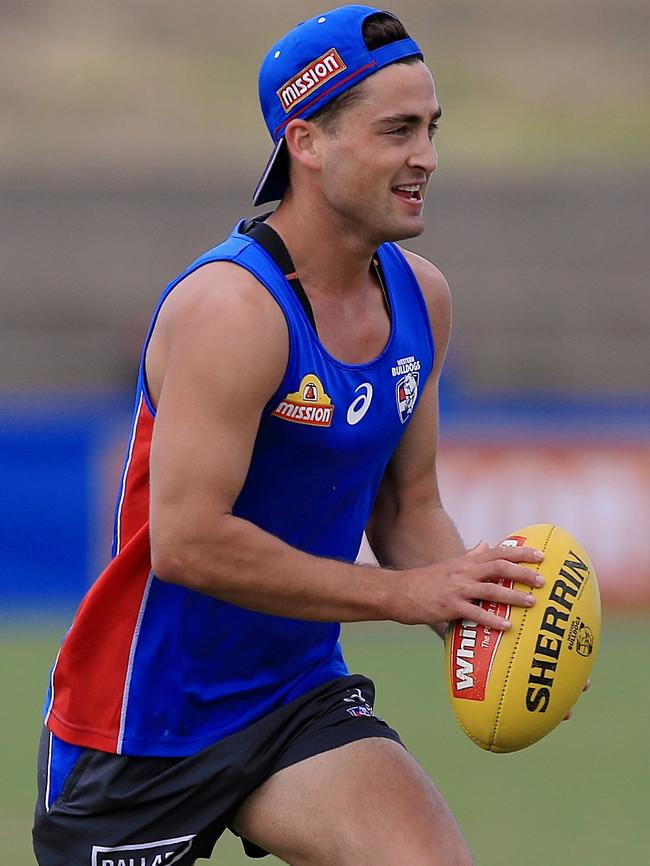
(399, 130)
(433, 128)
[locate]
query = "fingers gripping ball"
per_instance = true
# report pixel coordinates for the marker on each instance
(509, 689)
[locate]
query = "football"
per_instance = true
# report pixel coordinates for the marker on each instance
(509, 689)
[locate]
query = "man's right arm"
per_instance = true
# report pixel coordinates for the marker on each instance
(218, 353)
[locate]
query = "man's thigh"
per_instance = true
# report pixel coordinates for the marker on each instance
(367, 803)
(93, 803)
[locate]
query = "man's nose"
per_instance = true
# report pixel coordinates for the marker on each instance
(426, 155)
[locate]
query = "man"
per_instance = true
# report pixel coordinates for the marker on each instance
(287, 400)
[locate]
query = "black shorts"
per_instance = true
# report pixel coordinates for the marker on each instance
(118, 809)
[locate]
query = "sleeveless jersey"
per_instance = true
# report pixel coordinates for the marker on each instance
(153, 668)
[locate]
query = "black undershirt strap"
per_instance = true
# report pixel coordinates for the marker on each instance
(271, 241)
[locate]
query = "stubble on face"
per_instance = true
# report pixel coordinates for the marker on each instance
(378, 142)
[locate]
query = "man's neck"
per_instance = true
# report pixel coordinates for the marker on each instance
(326, 255)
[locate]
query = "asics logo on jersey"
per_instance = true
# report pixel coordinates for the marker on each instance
(161, 853)
(360, 405)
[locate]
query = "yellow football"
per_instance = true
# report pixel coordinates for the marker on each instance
(509, 689)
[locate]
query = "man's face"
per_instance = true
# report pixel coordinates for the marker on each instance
(376, 164)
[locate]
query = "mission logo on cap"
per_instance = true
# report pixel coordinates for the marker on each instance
(308, 68)
(315, 75)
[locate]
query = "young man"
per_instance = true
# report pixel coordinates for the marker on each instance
(287, 400)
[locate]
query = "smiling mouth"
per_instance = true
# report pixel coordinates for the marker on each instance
(409, 192)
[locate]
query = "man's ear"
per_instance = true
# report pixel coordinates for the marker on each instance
(304, 143)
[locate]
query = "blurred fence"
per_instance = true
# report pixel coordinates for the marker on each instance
(576, 465)
(59, 465)
(579, 462)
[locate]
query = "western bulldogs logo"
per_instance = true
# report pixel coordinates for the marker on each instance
(406, 393)
(161, 853)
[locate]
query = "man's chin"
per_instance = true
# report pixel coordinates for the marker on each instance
(405, 231)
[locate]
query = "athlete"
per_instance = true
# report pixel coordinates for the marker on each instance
(286, 402)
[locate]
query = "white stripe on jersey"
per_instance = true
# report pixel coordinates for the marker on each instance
(129, 670)
(49, 773)
(118, 517)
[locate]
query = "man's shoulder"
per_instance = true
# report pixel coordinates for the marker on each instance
(437, 296)
(219, 305)
(217, 289)
(434, 287)
(219, 316)
(430, 278)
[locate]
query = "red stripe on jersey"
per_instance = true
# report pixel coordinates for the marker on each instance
(92, 672)
(134, 507)
(93, 666)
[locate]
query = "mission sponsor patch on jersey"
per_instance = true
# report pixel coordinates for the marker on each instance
(308, 405)
(309, 79)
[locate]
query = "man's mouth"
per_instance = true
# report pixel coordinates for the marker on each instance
(409, 191)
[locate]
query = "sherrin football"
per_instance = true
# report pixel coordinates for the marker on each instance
(509, 689)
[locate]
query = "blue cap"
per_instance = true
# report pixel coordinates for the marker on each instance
(309, 67)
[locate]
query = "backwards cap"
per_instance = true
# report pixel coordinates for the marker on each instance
(308, 68)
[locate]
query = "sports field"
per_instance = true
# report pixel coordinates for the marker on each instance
(579, 797)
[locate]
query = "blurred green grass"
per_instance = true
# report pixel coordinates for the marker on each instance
(580, 796)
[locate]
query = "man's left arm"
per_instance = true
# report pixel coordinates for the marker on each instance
(409, 526)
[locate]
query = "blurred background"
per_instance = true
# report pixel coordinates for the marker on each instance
(131, 140)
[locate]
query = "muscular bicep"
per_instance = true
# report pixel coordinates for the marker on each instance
(410, 479)
(221, 354)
